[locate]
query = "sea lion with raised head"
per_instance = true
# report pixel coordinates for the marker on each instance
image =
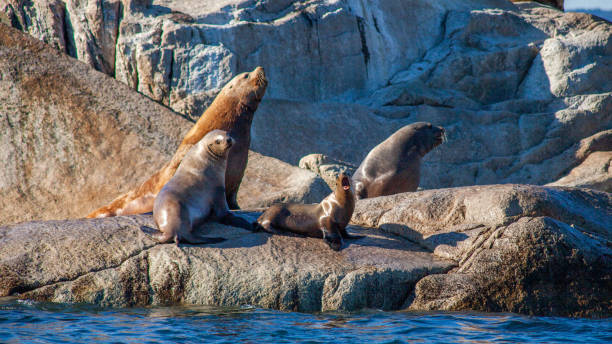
(232, 111)
(196, 193)
(327, 220)
(394, 166)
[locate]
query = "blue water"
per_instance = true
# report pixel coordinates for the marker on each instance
(29, 322)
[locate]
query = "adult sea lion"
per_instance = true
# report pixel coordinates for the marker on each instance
(394, 166)
(327, 220)
(196, 193)
(232, 111)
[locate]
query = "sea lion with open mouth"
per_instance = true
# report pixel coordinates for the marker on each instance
(327, 220)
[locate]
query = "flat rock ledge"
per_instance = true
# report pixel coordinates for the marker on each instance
(518, 248)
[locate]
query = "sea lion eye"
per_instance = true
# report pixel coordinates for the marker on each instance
(246, 76)
(217, 141)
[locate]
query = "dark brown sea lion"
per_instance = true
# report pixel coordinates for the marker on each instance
(196, 193)
(394, 166)
(232, 111)
(327, 220)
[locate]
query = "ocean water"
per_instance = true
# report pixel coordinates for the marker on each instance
(30, 322)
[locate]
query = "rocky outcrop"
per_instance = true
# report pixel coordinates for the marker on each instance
(64, 261)
(518, 248)
(517, 86)
(72, 139)
(508, 248)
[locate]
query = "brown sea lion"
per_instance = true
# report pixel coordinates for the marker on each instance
(196, 193)
(327, 220)
(394, 166)
(232, 111)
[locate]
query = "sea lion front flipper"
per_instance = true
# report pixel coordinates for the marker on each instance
(331, 234)
(237, 221)
(231, 197)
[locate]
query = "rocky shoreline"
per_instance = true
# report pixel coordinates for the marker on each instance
(499, 248)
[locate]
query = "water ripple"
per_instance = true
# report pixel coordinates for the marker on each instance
(57, 323)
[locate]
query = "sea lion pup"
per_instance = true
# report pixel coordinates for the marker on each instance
(232, 111)
(394, 166)
(196, 193)
(327, 220)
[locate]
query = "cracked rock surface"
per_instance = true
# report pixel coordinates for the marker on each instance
(518, 248)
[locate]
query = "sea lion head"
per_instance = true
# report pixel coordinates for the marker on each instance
(247, 88)
(343, 182)
(344, 188)
(426, 136)
(216, 144)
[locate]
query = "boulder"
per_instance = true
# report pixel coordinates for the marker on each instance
(518, 248)
(326, 167)
(73, 139)
(267, 181)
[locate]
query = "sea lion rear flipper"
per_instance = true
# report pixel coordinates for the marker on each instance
(346, 235)
(237, 221)
(157, 235)
(197, 240)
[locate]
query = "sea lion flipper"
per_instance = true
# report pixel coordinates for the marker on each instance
(331, 234)
(346, 235)
(231, 198)
(198, 240)
(237, 221)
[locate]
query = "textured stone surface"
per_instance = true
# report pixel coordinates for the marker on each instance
(518, 248)
(326, 167)
(595, 172)
(72, 139)
(112, 262)
(516, 85)
(268, 180)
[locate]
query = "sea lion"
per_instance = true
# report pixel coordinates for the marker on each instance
(394, 166)
(232, 111)
(196, 193)
(327, 220)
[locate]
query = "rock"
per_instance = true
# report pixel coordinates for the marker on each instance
(63, 261)
(503, 248)
(554, 3)
(326, 167)
(73, 139)
(267, 181)
(525, 249)
(595, 172)
(516, 85)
